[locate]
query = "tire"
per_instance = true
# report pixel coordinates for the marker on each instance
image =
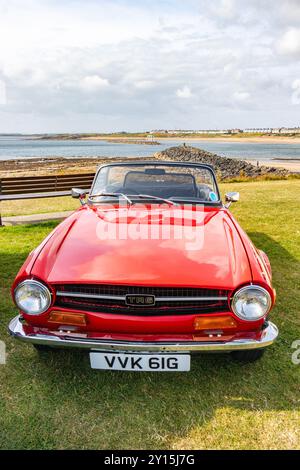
(250, 355)
(42, 348)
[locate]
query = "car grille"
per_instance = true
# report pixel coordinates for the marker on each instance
(112, 299)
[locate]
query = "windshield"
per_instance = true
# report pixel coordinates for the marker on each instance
(158, 181)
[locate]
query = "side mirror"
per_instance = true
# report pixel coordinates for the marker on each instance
(80, 194)
(232, 197)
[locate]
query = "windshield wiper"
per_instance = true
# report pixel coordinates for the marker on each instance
(148, 196)
(142, 196)
(124, 196)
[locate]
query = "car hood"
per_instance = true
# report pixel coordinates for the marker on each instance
(87, 248)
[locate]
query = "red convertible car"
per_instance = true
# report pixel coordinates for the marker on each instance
(150, 269)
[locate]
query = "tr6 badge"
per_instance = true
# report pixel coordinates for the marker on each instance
(140, 300)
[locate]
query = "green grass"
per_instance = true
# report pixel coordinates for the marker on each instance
(66, 203)
(55, 400)
(38, 206)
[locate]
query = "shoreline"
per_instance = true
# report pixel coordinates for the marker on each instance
(40, 166)
(143, 139)
(256, 140)
(293, 166)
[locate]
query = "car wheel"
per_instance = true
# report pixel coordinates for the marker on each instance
(250, 355)
(42, 348)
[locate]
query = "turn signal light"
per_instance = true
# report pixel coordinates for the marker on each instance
(214, 323)
(73, 319)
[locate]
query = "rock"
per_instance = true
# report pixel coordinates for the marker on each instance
(225, 168)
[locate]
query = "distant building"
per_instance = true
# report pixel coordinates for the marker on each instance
(290, 130)
(159, 131)
(196, 131)
(235, 131)
(213, 131)
(258, 130)
(181, 131)
(252, 130)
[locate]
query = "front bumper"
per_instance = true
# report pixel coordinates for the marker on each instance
(268, 336)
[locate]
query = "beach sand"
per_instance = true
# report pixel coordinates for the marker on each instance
(57, 165)
(291, 165)
(257, 140)
(52, 166)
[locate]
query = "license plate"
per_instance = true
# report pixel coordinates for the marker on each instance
(141, 362)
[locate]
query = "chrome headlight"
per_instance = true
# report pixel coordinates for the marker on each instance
(32, 297)
(251, 303)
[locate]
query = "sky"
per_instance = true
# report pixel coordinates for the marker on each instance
(115, 65)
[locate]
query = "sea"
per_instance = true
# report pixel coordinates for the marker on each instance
(17, 147)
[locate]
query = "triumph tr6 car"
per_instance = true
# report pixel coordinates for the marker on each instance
(151, 269)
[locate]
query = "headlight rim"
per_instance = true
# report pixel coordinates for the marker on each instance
(44, 287)
(251, 287)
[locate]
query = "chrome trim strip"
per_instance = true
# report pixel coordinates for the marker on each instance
(16, 329)
(89, 296)
(123, 298)
(187, 299)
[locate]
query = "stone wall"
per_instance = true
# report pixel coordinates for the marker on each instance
(225, 168)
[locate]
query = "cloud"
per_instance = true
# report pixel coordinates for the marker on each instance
(144, 84)
(296, 92)
(289, 43)
(289, 11)
(91, 66)
(241, 96)
(184, 92)
(93, 83)
(224, 8)
(2, 92)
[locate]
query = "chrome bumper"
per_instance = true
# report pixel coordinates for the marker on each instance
(16, 329)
